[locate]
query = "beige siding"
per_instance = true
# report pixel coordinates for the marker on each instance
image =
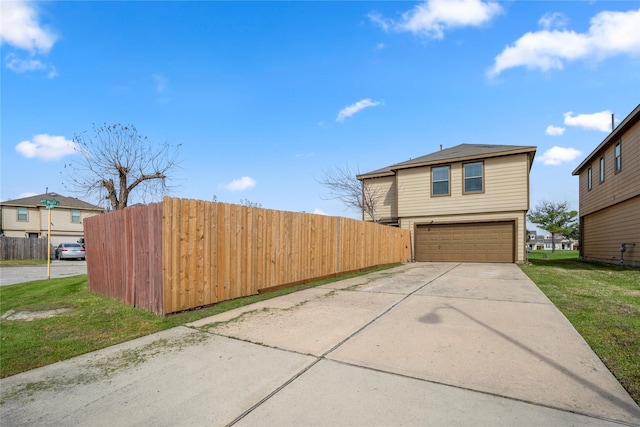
(385, 187)
(413, 190)
(10, 221)
(61, 218)
(505, 189)
(607, 229)
(616, 186)
(62, 229)
(517, 216)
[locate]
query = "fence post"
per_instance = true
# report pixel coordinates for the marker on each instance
(338, 248)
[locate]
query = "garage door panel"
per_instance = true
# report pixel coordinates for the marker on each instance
(467, 242)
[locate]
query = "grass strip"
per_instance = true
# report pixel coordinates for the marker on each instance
(602, 301)
(11, 262)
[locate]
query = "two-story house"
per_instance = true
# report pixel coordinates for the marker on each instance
(466, 203)
(28, 217)
(609, 183)
(543, 242)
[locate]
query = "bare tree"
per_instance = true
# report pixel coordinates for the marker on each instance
(116, 160)
(353, 193)
(248, 203)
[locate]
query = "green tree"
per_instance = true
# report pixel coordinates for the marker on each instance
(556, 218)
(574, 231)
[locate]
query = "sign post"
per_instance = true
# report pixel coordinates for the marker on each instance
(49, 205)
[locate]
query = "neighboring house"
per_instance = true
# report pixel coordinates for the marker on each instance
(610, 196)
(27, 217)
(561, 243)
(465, 203)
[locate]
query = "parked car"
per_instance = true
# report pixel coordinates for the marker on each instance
(70, 250)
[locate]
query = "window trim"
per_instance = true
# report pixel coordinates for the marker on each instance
(448, 181)
(617, 157)
(79, 221)
(26, 213)
(464, 178)
(589, 179)
(601, 169)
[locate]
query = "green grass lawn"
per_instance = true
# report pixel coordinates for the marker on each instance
(548, 255)
(93, 321)
(602, 302)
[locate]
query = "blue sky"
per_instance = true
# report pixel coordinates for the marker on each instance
(265, 96)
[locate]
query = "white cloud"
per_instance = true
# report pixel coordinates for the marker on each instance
(597, 121)
(19, 27)
(554, 130)
(610, 34)
(27, 194)
(241, 184)
(305, 154)
(160, 82)
(553, 20)
(557, 155)
(377, 19)
(354, 108)
(47, 147)
(319, 211)
(19, 65)
(53, 72)
(22, 65)
(433, 17)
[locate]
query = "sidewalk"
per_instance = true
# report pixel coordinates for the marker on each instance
(428, 344)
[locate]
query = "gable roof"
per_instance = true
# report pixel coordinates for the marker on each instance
(65, 202)
(459, 153)
(626, 124)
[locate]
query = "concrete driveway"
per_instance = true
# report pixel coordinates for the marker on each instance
(422, 344)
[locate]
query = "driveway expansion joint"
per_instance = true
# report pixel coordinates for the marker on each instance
(324, 355)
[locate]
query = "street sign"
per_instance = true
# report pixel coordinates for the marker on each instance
(50, 203)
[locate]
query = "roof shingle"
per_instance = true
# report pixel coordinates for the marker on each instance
(458, 153)
(65, 202)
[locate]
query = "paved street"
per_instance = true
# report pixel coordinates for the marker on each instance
(429, 344)
(10, 275)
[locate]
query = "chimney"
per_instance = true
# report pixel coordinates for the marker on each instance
(440, 147)
(613, 126)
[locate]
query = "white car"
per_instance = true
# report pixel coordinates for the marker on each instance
(70, 250)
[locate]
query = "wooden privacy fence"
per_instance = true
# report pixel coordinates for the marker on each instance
(22, 248)
(181, 254)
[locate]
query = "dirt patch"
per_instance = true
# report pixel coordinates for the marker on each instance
(32, 315)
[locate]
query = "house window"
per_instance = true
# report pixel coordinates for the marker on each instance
(589, 179)
(440, 181)
(22, 214)
(473, 177)
(75, 215)
(618, 157)
(601, 169)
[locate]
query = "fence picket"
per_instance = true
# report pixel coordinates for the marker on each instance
(182, 254)
(23, 248)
